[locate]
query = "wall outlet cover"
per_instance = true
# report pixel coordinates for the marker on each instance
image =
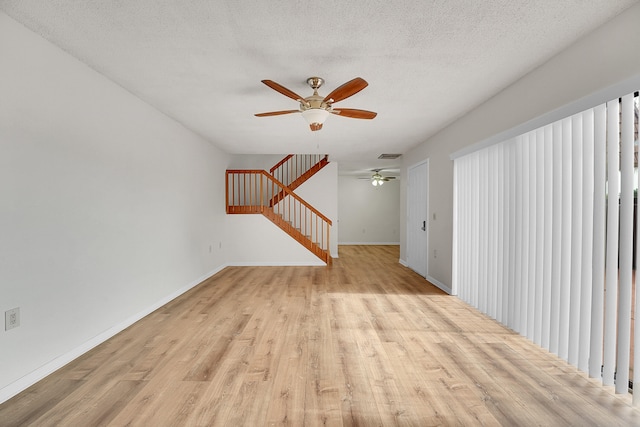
(12, 318)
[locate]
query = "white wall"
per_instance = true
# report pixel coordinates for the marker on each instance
(107, 207)
(368, 214)
(254, 240)
(601, 65)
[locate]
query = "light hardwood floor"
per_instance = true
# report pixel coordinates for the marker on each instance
(364, 342)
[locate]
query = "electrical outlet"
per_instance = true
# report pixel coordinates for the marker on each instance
(12, 318)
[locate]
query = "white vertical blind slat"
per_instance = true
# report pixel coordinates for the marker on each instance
(502, 235)
(491, 233)
(488, 222)
(599, 239)
(496, 235)
(462, 188)
(565, 230)
(473, 229)
(533, 225)
(548, 236)
(519, 242)
(457, 233)
(513, 243)
(477, 228)
(482, 232)
(527, 253)
(470, 229)
(626, 244)
(611, 263)
(466, 240)
(556, 244)
(636, 314)
(576, 238)
(587, 241)
(540, 228)
(481, 238)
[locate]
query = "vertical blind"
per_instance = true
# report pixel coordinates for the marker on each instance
(544, 239)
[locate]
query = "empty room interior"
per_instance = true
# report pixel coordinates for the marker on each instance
(335, 213)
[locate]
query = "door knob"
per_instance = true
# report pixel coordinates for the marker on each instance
(424, 226)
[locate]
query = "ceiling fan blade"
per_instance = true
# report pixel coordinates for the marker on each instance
(346, 90)
(353, 113)
(276, 113)
(283, 90)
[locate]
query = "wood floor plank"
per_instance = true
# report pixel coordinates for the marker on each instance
(359, 407)
(160, 403)
(324, 389)
(36, 402)
(95, 412)
(364, 342)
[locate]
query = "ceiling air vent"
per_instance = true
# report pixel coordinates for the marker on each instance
(389, 156)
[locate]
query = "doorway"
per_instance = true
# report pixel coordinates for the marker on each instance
(417, 218)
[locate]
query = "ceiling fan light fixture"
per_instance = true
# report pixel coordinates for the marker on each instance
(377, 180)
(315, 117)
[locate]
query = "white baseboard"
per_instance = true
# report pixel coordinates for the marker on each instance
(368, 243)
(433, 281)
(28, 380)
(278, 264)
(439, 284)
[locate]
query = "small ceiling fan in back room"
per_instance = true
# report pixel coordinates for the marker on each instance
(377, 179)
(315, 108)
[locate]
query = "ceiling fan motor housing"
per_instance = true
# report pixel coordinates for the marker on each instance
(314, 109)
(314, 101)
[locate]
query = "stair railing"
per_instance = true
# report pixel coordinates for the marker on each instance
(293, 166)
(256, 191)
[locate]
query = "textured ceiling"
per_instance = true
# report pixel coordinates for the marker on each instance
(201, 61)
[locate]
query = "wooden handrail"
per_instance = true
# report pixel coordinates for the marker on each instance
(281, 186)
(295, 169)
(280, 163)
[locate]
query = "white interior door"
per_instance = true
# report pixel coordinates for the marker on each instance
(417, 219)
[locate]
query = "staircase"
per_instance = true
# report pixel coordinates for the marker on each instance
(256, 191)
(295, 169)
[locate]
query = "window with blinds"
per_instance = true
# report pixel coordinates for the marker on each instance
(545, 227)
